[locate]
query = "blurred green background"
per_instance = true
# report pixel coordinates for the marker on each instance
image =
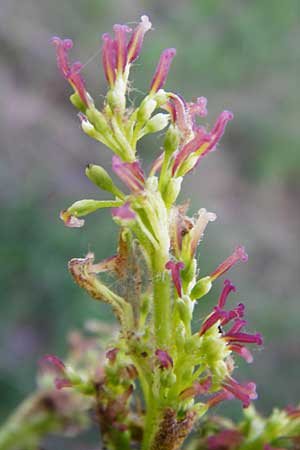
(243, 56)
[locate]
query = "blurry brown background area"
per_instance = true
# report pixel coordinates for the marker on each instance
(243, 56)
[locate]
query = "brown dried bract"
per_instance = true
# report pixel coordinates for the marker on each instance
(172, 431)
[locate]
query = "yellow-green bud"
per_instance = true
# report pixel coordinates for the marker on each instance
(98, 120)
(89, 128)
(201, 288)
(161, 97)
(156, 123)
(77, 102)
(184, 311)
(101, 178)
(172, 190)
(87, 206)
(146, 109)
(172, 140)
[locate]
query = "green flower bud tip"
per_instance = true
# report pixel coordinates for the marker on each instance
(83, 207)
(97, 119)
(201, 288)
(172, 190)
(101, 178)
(156, 123)
(172, 140)
(146, 109)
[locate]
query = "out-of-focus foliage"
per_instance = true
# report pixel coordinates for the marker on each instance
(243, 56)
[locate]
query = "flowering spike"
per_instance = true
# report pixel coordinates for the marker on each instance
(162, 69)
(238, 255)
(62, 47)
(123, 212)
(136, 40)
(109, 58)
(175, 268)
(121, 46)
(165, 360)
(130, 173)
(228, 287)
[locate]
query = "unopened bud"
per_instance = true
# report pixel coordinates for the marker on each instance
(77, 102)
(156, 123)
(83, 207)
(172, 139)
(97, 119)
(184, 311)
(172, 190)
(101, 178)
(201, 288)
(146, 109)
(161, 97)
(116, 96)
(88, 127)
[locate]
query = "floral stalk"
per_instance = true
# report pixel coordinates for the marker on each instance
(183, 373)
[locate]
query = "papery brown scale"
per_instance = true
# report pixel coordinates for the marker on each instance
(172, 431)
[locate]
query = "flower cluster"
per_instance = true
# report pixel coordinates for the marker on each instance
(182, 372)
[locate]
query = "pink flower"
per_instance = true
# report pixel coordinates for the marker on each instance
(238, 255)
(137, 37)
(200, 140)
(111, 355)
(117, 54)
(59, 366)
(219, 314)
(55, 362)
(162, 69)
(71, 74)
(228, 287)
(109, 58)
(166, 362)
(184, 113)
(121, 46)
(61, 383)
(244, 392)
(198, 388)
(130, 173)
(175, 268)
(203, 142)
(219, 397)
(234, 337)
(123, 212)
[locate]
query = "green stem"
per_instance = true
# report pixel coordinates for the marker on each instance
(162, 308)
(151, 421)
